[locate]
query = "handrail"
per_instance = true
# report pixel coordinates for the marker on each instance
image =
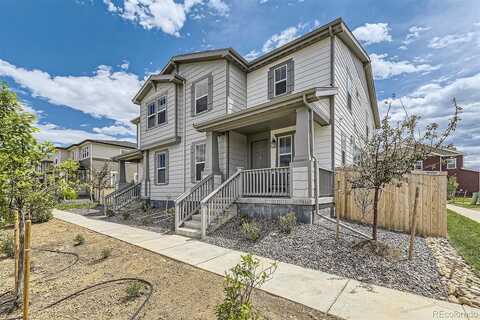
(207, 198)
(119, 199)
(195, 187)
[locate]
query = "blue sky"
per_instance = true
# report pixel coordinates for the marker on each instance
(76, 64)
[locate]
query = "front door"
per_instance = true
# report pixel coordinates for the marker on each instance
(260, 154)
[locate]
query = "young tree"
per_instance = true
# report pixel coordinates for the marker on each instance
(20, 154)
(68, 178)
(100, 180)
(392, 151)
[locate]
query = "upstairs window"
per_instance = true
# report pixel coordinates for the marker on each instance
(201, 96)
(419, 165)
(285, 151)
(451, 163)
(349, 92)
(280, 80)
(151, 115)
(162, 110)
(199, 160)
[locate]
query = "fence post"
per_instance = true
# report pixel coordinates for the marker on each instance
(414, 224)
(26, 269)
(17, 248)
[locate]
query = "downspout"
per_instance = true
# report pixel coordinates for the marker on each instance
(332, 112)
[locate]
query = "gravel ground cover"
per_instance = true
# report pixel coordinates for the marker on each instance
(314, 246)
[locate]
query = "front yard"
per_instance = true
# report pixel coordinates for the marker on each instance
(179, 290)
(464, 234)
(465, 202)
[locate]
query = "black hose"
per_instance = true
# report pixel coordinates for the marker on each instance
(76, 293)
(77, 258)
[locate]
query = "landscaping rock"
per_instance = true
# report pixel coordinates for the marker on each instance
(460, 279)
(314, 246)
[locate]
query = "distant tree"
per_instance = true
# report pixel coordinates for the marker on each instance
(452, 186)
(391, 152)
(100, 180)
(20, 154)
(67, 172)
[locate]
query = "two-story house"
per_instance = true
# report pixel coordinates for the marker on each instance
(451, 161)
(218, 134)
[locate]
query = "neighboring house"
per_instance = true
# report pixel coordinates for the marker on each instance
(217, 133)
(451, 161)
(93, 154)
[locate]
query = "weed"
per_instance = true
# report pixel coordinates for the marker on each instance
(134, 290)
(287, 222)
(78, 240)
(251, 230)
(106, 252)
(7, 246)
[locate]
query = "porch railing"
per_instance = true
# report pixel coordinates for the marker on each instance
(325, 183)
(118, 199)
(267, 182)
(214, 206)
(189, 202)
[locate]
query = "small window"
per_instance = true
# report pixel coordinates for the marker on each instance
(113, 178)
(162, 110)
(349, 92)
(419, 165)
(199, 160)
(280, 80)
(201, 96)
(161, 167)
(151, 115)
(344, 147)
(452, 163)
(285, 151)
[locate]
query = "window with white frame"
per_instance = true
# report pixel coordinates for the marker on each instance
(419, 165)
(349, 92)
(452, 163)
(285, 150)
(84, 152)
(151, 115)
(201, 96)
(280, 80)
(199, 160)
(161, 167)
(162, 110)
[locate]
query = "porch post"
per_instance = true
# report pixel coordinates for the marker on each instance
(302, 165)
(212, 162)
(123, 176)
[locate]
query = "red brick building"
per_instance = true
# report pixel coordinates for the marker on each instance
(451, 161)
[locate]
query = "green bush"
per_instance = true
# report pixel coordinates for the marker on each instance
(69, 193)
(134, 290)
(251, 230)
(42, 215)
(106, 252)
(78, 240)
(7, 246)
(239, 284)
(287, 222)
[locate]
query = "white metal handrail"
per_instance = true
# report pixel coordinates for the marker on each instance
(266, 182)
(189, 202)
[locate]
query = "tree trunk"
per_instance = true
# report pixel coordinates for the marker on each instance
(21, 259)
(375, 214)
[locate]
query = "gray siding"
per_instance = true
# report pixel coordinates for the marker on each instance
(238, 151)
(237, 89)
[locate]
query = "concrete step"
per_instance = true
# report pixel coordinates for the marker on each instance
(193, 224)
(187, 232)
(197, 217)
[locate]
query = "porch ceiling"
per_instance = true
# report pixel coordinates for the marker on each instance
(278, 113)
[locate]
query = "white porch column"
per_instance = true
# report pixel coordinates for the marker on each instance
(302, 165)
(211, 157)
(123, 175)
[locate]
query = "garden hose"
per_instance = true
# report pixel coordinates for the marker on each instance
(77, 293)
(77, 258)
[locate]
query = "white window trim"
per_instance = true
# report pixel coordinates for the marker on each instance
(421, 165)
(162, 108)
(454, 163)
(199, 162)
(285, 153)
(275, 80)
(153, 115)
(198, 98)
(158, 168)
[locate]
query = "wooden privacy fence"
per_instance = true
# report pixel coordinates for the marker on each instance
(396, 203)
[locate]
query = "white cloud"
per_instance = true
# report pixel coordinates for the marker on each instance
(104, 94)
(414, 33)
(125, 65)
(279, 39)
(166, 15)
(252, 55)
(373, 33)
(63, 136)
(433, 102)
(116, 130)
(403, 47)
(448, 40)
(384, 68)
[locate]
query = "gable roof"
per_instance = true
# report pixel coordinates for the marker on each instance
(118, 143)
(336, 27)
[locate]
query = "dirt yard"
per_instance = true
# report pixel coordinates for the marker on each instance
(179, 290)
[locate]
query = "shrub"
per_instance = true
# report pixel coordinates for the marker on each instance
(78, 240)
(42, 215)
(239, 284)
(126, 215)
(251, 230)
(7, 246)
(106, 252)
(69, 193)
(287, 222)
(134, 290)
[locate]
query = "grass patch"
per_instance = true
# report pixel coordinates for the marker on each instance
(465, 202)
(73, 205)
(464, 234)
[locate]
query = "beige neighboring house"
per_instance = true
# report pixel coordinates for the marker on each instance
(218, 135)
(92, 154)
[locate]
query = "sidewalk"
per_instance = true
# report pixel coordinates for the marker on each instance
(342, 297)
(469, 213)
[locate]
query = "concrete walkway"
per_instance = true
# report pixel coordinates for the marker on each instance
(469, 213)
(342, 297)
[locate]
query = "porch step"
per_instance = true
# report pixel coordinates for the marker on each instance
(188, 232)
(197, 217)
(193, 224)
